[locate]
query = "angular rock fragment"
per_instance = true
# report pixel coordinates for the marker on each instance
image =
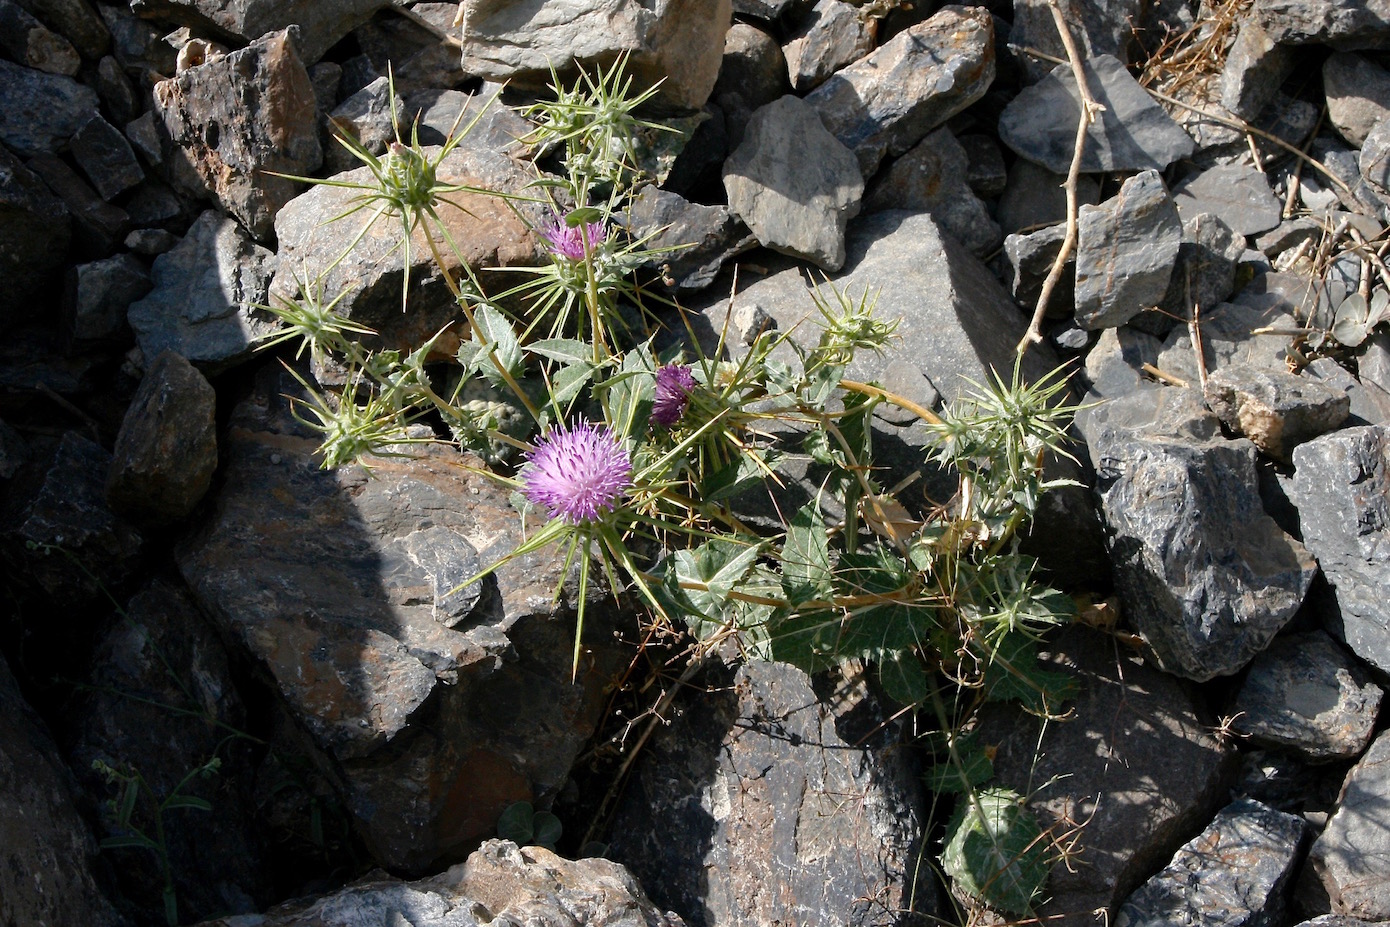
(736, 815)
(1358, 95)
(886, 102)
(1306, 695)
(34, 236)
(794, 184)
(1133, 134)
(97, 296)
(367, 118)
(1205, 274)
(1237, 872)
(206, 290)
(98, 226)
(1270, 300)
(231, 122)
(830, 36)
(1028, 260)
(1133, 759)
(1034, 197)
(985, 171)
(39, 112)
(1125, 251)
(116, 91)
(76, 21)
(1345, 24)
(1236, 193)
(1370, 403)
(702, 237)
(678, 40)
(30, 43)
(106, 158)
(932, 177)
(1274, 408)
(753, 73)
(1206, 577)
(320, 25)
(1342, 489)
(1374, 160)
(1255, 67)
(1098, 27)
(1350, 862)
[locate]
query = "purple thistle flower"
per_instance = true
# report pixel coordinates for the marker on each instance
(673, 385)
(568, 242)
(577, 473)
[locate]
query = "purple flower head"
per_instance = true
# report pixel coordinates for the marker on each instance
(577, 473)
(568, 242)
(673, 385)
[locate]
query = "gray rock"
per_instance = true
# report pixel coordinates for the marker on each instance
(1373, 360)
(1342, 489)
(34, 236)
(1255, 67)
(1125, 251)
(30, 43)
(985, 171)
(98, 226)
(1237, 193)
(1033, 197)
(1345, 24)
(1288, 235)
(1370, 403)
(1098, 27)
(752, 74)
(1344, 163)
(489, 123)
(419, 56)
(889, 100)
(1351, 860)
(48, 876)
(205, 292)
(827, 37)
(68, 509)
(320, 25)
(767, 10)
(106, 158)
(1208, 579)
(1028, 259)
(1205, 273)
(40, 112)
(1267, 301)
(1358, 95)
(367, 118)
(1374, 160)
(487, 230)
(703, 237)
(1113, 366)
(1235, 873)
(166, 450)
(76, 21)
(520, 42)
(366, 625)
(736, 814)
(794, 184)
(499, 883)
(1132, 759)
(1307, 695)
(97, 296)
(14, 451)
(1275, 409)
(1133, 134)
(932, 178)
(232, 121)
(150, 243)
(116, 91)
(137, 44)
(144, 139)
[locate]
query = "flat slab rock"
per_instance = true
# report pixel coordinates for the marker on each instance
(760, 806)
(1237, 193)
(320, 25)
(1133, 134)
(500, 883)
(1350, 862)
(1125, 251)
(1341, 486)
(1133, 759)
(1235, 873)
(343, 589)
(1345, 24)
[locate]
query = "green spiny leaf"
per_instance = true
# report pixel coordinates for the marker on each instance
(995, 851)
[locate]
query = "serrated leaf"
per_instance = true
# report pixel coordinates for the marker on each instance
(547, 830)
(806, 567)
(584, 214)
(807, 640)
(517, 823)
(1012, 673)
(497, 339)
(822, 385)
(570, 381)
(903, 678)
(739, 476)
(822, 450)
(564, 350)
(995, 851)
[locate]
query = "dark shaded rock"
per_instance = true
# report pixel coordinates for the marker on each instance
(14, 451)
(753, 73)
(411, 48)
(1205, 273)
(703, 237)
(1098, 27)
(30, 43)
(827, 37)
(486, 229)
(205, 291)
(367, 118)
(68, 510)
(493, 125)
(150, 243)
(161, 702)
(1033, 197)
(767, 10)
(1125, 251)
(40, 112)
(886, 102)
(1358, 95)
(1350, 862)
(116, 92)
(34, 236)
(97, 296)
(499, 883)
(1346, 24)
(166, 451)
(144, 139)
(47, 857)
(1235, 873)
(520, 43)
(1267, 301)
(985, 171)
(232, 121)
(1132, 759)
(98, 225)
(76, 21)
(793, 184)
(1028, 259)
(1342, 489)
(1255, 67)
(1374, 160)
(1133, 134)
(106, 158)
(138, 45)
(320, 25)
(434, 705)
(1208, 579)
(932, 178)
(1236, 193)
(737, 814)
(1370, 404)
(1114, 364)
(1307, 695)
(1274, 408)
